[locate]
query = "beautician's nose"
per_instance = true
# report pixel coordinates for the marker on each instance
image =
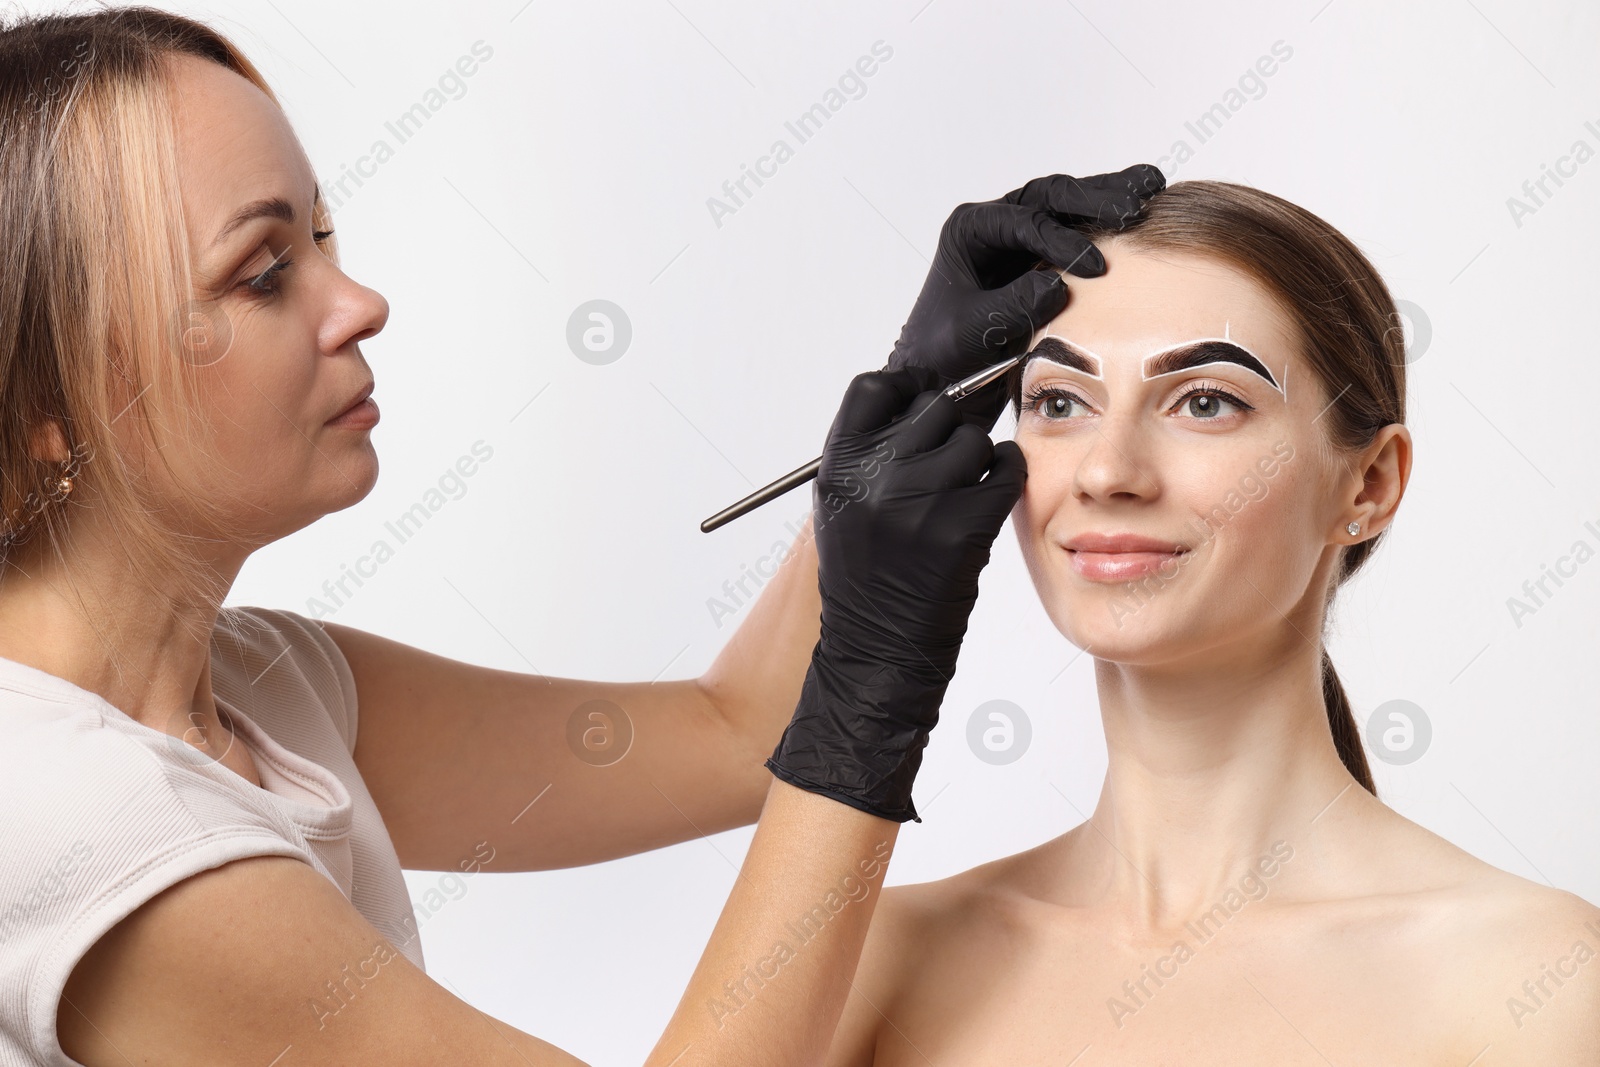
(357, 314)
(1113, 463)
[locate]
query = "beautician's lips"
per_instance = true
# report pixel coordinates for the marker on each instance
(1119, 557)
(355, 401)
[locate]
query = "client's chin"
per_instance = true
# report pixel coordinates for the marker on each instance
(1139, 622)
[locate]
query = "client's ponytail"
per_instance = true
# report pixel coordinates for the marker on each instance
(1346, 733)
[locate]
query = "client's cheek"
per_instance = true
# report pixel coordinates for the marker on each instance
(1029, 523)
(1032, 510)
(1034, 517)
(1264, 542)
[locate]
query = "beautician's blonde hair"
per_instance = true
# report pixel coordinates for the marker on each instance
(98, 334)
(1350, 334)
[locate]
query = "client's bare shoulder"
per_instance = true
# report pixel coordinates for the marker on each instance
(1386, 933)
(1480, 963)
(1518, 958)
(928, 940)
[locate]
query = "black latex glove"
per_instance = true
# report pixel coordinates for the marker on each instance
(903, 527)
(982, 302)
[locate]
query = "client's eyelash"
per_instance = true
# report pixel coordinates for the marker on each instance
(1210, 390)
(1031, 398)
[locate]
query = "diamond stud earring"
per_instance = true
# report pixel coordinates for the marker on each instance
(1353, 529)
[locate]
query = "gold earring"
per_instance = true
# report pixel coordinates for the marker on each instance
(70, 468)
(62, 488)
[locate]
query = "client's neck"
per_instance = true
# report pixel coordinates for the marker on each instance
(1212, 766)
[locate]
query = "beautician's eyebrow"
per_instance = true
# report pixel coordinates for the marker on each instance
(1057, 350)
(271, 207)
(1193, 354)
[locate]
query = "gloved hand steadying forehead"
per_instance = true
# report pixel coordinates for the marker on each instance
(906, 505)
(981, 303)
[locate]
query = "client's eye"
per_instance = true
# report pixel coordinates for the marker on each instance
(1056, 402)
(1202, 399)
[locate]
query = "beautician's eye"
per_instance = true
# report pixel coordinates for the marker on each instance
(1201, 401)
(266, 284)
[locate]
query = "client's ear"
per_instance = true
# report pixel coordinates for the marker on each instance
(1385, 467)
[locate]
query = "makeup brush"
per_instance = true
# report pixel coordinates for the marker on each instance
(801, 475)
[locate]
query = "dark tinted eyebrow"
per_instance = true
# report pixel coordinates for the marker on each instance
(271, 207)
(1198, 354)
(1057, 350)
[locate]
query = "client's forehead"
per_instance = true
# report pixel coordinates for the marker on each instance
(1151, 300)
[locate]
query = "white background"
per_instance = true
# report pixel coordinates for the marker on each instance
(577, 165)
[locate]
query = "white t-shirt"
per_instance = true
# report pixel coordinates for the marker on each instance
(99, 813)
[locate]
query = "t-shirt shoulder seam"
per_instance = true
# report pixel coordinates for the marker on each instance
(92, 912)
(283, 619)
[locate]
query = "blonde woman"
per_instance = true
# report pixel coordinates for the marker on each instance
(207, 808)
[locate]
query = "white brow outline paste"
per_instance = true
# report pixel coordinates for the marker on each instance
(1099, 362)
(1226, 330)
(1226, 339)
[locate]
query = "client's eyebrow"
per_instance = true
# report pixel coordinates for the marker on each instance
(1184, 356)
(1193, 354)
(1057, 350)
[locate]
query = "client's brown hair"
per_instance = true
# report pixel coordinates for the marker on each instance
(1349, 331)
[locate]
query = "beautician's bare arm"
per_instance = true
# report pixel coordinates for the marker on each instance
(771, 985)
(456, 754)
(263, 960)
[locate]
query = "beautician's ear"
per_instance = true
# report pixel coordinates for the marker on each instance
(1385, 468)
(47, 442)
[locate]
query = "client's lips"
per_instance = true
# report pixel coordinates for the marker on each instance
(1119, 557)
